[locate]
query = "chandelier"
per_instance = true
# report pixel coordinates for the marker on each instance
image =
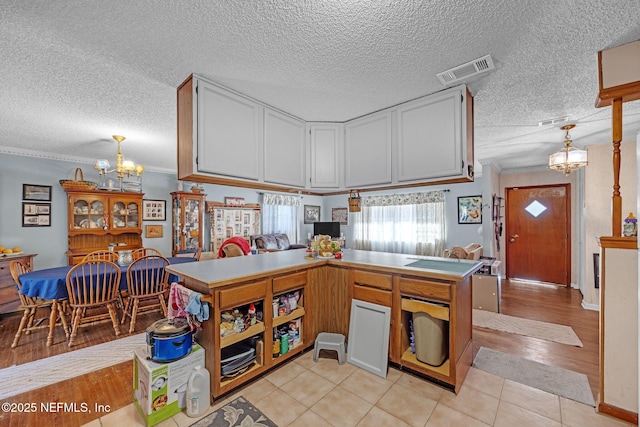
(569, 158)
(126, 171)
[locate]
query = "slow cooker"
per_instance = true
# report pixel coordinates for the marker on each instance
(169, 340)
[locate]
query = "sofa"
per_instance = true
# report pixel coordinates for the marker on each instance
(273, 242)
(472, 251)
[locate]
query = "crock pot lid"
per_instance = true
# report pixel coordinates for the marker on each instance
(169, 327)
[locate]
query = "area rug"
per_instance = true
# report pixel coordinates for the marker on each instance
(532, 328)
(558, 381)
(39, 373)
(239, 412)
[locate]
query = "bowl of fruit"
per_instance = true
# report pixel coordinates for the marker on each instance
(10, 251)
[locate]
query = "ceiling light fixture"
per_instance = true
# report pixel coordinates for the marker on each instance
(124, 169)
(569, 158)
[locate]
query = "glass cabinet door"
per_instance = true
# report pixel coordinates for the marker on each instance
(88, 213)
(124, 213)
(191, 227)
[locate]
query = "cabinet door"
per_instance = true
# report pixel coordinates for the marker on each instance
(368, 150)
(430, 137)
(87, 213)
(124, 213)
(229, 133)
(325, 148)
(284, 154)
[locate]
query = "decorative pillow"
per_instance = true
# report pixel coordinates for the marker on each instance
(457, 252)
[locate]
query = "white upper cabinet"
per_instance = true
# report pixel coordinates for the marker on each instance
(431, 137)
(368, 150)
(284, 153)
(229, 133)
(325, 148)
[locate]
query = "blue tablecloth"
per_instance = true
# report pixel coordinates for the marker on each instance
(51, 283)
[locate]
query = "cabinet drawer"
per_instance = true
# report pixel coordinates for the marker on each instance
(368, 278)
(376, 296)
(289, 282)
(242, 294)
(425, 288)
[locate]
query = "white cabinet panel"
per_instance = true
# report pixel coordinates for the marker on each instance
(368, 150)
(369, 337)
(229, 133)
(430, 137)
(284, 153)
(325, 160)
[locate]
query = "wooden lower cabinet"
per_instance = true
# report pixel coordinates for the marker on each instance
(9, 298)
(325, 294)
(449, 303)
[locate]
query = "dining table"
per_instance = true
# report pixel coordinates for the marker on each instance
(51, 284)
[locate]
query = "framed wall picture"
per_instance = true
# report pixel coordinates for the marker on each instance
(36, 214)
(234, 201)
(36, 192)
(311, 214)
(340, 215)
(153, 231)
(470, 210)
(154, 210)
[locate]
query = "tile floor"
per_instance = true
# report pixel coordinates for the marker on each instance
(324, 393)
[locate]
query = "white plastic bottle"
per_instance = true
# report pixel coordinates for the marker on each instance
(198, 392)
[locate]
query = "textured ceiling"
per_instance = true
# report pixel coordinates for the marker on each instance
(75, 72)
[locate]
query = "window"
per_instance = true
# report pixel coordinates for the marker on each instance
(280, 215)
(411, 223)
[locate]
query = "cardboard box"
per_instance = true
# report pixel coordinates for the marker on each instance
(159, 389)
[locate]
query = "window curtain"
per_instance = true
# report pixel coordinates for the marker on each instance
(412, 223)
(280, 215)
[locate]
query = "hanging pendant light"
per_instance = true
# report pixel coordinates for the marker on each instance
(127, 172)
(569, 158)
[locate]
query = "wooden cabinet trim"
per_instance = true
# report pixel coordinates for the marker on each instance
(376, 296)
(428, 289)
(289, 282)
(242, 294)
(376, 280)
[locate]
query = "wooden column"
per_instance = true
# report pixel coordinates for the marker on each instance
(616, 205)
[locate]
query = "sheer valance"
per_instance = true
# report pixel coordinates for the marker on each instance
(280, 199)
(404, 199)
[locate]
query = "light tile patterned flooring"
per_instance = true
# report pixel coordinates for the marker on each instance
(324, 393)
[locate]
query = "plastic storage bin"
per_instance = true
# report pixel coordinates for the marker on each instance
(431, 338)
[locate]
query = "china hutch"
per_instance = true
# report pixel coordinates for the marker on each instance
(188, 220)
(231, 221)
(99, 219)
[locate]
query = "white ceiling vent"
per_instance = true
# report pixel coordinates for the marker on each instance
(471, 68)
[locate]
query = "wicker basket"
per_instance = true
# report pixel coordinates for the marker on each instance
(78, 184)
(354, 201)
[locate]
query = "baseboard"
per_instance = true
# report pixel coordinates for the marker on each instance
(588, 306)
(622, 414)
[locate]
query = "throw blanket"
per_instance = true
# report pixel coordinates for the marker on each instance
(183, 302)
(236, 240)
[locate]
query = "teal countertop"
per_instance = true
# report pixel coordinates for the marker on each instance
(221, 272)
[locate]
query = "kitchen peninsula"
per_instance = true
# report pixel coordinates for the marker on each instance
(325, 287)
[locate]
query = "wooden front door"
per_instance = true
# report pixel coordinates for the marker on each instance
(538, 233)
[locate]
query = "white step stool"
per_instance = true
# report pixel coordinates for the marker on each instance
(330, 341)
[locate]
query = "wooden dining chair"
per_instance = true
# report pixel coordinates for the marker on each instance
(142, 252)
(31, 305)
(190, 253)
(101, 255)
(92, 286)
(148, 281)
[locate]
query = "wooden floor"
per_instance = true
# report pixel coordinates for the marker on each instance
(113, 386)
